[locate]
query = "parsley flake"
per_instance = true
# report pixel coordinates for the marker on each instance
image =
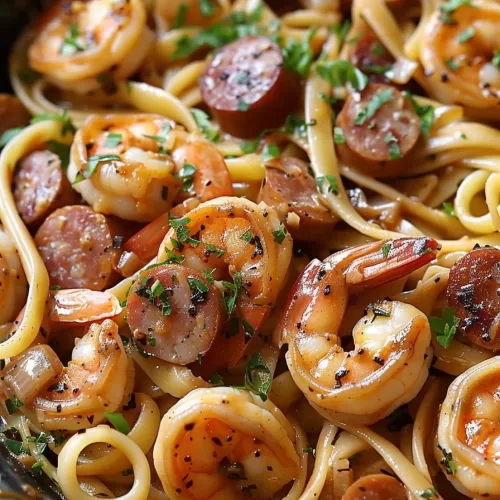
(340, 73)
(446, 327)
(118, 421)
(280, 234)
(258, 377)
(327, 184)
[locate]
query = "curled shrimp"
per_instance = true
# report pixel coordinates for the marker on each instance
(392, 353)
(457, 54)
(224, 443)
(468, 434)
(138, 166)
(76, 42)
(120, 165)
(97, 380)
(242, 248)
(13, 284)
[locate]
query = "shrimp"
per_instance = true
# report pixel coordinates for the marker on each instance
(121, 165)
(246, 251)
(210, 180)
(392, 353)
(80, 46)
(13, 284)
(458, 51)
(468, 434)
(224, 443)
(98, 379)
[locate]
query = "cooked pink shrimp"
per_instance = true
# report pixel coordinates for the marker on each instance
(392, 353)
(77, 42)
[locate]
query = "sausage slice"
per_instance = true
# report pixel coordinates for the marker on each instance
(76, 245)
(40, 186)
(174, 313)
(379, 123)
(376, 487)
(247, 87)
(473, 293)
(290, 188)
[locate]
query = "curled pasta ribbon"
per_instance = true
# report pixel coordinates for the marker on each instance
(32, 263)
(461, 49)
(143, 433)
(479, 182)
(76, 43)
(68, 460)
(13, 285)
(225, 442)
(468, 439)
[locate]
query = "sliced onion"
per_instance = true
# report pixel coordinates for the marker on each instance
(32, 371)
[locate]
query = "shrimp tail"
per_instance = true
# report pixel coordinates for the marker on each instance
(383, 261)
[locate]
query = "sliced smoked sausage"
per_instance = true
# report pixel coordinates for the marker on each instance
(290, 188)
(376, 487)
(174, 313)
(247, 87)
(380, 128)
(77, 247)
(473, 293)
(40, 186)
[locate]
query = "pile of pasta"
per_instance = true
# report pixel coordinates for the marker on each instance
(253, 249)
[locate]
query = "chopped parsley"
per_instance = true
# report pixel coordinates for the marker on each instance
(71, 44)
(495, 60)
(377, 101)
(394, 151)
(280, 234)
(466, 34)
(207, 7)
(208, 276)
(15, 447)
(160, 139)
(112, 140)
(118, 421)
(173, 258)
(448, 209)
(40, 443)
(425, 113)
(428, 493)
(448, 462)
(258, 377)
(446, 327)
(327, 184)
(448, 8)
(452, 64)
(156, 295)
(217, 380)
(270, 151)
(61, 150)
(341, 73)
(67, 124)
(219, 252)
(298, 56)
(247, 235)
(186, 173)
(203, 122)
(180, 17)
(242, 105)
(13, 404)
(377, 49)
(198, 290)
(237, 25)
(341, 30)
(338, 136)
(8, 135)
(297, 126)
(231, 292)
(310, 451)
(386, 249)
(181, 231)
(92, 164)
